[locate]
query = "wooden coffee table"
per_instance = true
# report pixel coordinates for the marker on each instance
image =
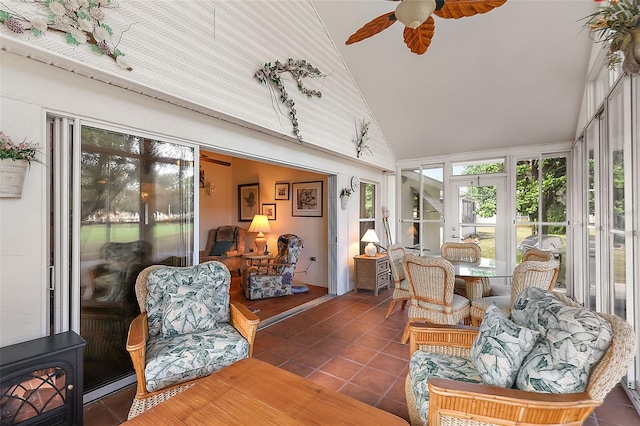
(254, 392)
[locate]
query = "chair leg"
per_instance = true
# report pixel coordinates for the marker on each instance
(404, 303)
(405, 333)
(390, 309)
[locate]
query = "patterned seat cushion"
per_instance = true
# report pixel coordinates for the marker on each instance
(500, 347)
(572, 339)
(179, 296)
(423, 366)
(190, 356)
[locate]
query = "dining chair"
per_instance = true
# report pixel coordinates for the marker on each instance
(471, 288)
(401, 288)
(532, 254)
(431, 283)
(529, 273)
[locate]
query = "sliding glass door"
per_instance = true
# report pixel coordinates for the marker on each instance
(136, 209)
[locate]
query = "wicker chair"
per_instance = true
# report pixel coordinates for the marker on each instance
(177, 347)
(460, 403)
(536, 254)
(431, 282)
(471, 288)
(527, 274)
(401, 287)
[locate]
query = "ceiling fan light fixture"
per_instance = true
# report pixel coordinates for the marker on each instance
(413, 13)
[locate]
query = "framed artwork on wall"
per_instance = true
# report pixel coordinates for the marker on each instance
(248, 201)
(307, 199)
(282, 191)
(269, 210)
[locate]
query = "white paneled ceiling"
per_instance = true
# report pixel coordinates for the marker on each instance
(512, 77)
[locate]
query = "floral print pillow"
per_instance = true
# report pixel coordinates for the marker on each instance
(572, 340)
(188, 310)
(500, 348)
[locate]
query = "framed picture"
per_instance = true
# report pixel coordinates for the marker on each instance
(307, 199)
(269, 210)
(248, 201)
(282, 191)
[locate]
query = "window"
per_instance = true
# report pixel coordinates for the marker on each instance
(367, 210)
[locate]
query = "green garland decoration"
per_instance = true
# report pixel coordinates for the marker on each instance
(298, 69)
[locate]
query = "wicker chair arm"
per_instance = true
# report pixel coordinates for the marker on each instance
(469, 403)
(245, 321)
(137, 348)
(445, 339)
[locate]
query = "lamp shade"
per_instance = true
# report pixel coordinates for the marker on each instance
(260, 224)
(370, 237)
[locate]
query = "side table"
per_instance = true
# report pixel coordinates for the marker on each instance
(372, 272)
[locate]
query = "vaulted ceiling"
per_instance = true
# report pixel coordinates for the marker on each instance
(512, 77)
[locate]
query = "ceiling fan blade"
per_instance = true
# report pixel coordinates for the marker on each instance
(460, 8)
(372, 28)
(419, 39)
(213, 160)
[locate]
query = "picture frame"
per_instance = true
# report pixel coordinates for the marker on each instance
(269, 210)
(307, 199)
(282, 191)
(248, 201)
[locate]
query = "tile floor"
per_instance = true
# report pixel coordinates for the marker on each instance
(345, 344)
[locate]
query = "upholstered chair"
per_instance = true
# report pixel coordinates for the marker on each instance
(187, 329)
(431, 282)
(401, 286)
(225, 244)
(551, 362)
(276, 279)
(471, 288)
(527, 274)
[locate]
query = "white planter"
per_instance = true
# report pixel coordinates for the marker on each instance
(12, 175)
(343, 202)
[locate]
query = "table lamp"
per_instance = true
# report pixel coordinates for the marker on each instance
(371, 238)
(260, 224)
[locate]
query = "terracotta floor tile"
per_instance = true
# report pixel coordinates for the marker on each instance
(330, 345)
(326, 380)
(372, 342)
(308, 338)
(272, 358)
(394, 407)
(322, 329)
(358, 353)
(374, 380)
(120, 402)
(297, 368)
(312, 358)
(341, 368)
(388, 364)
(617, 414)
(360, 394)
(397, 349)
(288, 349)
(396, 391)
(267, 340)
(348, 334)
(384, 332)
(96, 413)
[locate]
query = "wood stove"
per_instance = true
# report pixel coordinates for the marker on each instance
(41, 381)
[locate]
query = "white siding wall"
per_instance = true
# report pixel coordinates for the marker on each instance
(221, 61)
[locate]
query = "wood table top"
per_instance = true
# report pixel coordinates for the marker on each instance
(254, 392)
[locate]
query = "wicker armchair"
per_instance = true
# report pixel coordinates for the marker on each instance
(187, 329)
(460, 403)
(538, 255)
(431, 282)
(527, 274)
(471, 288)
(401, 286)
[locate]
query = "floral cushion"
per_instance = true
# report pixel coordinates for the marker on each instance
(190, 356)
(572, 339)
(171, 280)
(189, 310)
(500, 347)
(423, 366)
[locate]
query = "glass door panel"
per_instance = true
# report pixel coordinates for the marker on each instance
(137, 205)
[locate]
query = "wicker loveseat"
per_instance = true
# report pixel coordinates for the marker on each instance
(570, 358)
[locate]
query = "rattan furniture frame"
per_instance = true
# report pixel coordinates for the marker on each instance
(400, 286)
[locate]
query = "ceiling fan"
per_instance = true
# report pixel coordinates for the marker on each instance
(419, 24)
(204, 157)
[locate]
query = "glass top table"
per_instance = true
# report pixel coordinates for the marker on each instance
(485, 268)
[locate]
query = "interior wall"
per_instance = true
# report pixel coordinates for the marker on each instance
(216, 198)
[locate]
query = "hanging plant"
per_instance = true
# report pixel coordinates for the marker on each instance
(298, 69)
(618, 24)
(81, 21)
(362, 137)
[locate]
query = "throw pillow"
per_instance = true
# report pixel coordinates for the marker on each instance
(572, 340)
(221, 247)
(188, 311)
(500, 348)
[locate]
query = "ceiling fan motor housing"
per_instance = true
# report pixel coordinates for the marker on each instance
(413, 13)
